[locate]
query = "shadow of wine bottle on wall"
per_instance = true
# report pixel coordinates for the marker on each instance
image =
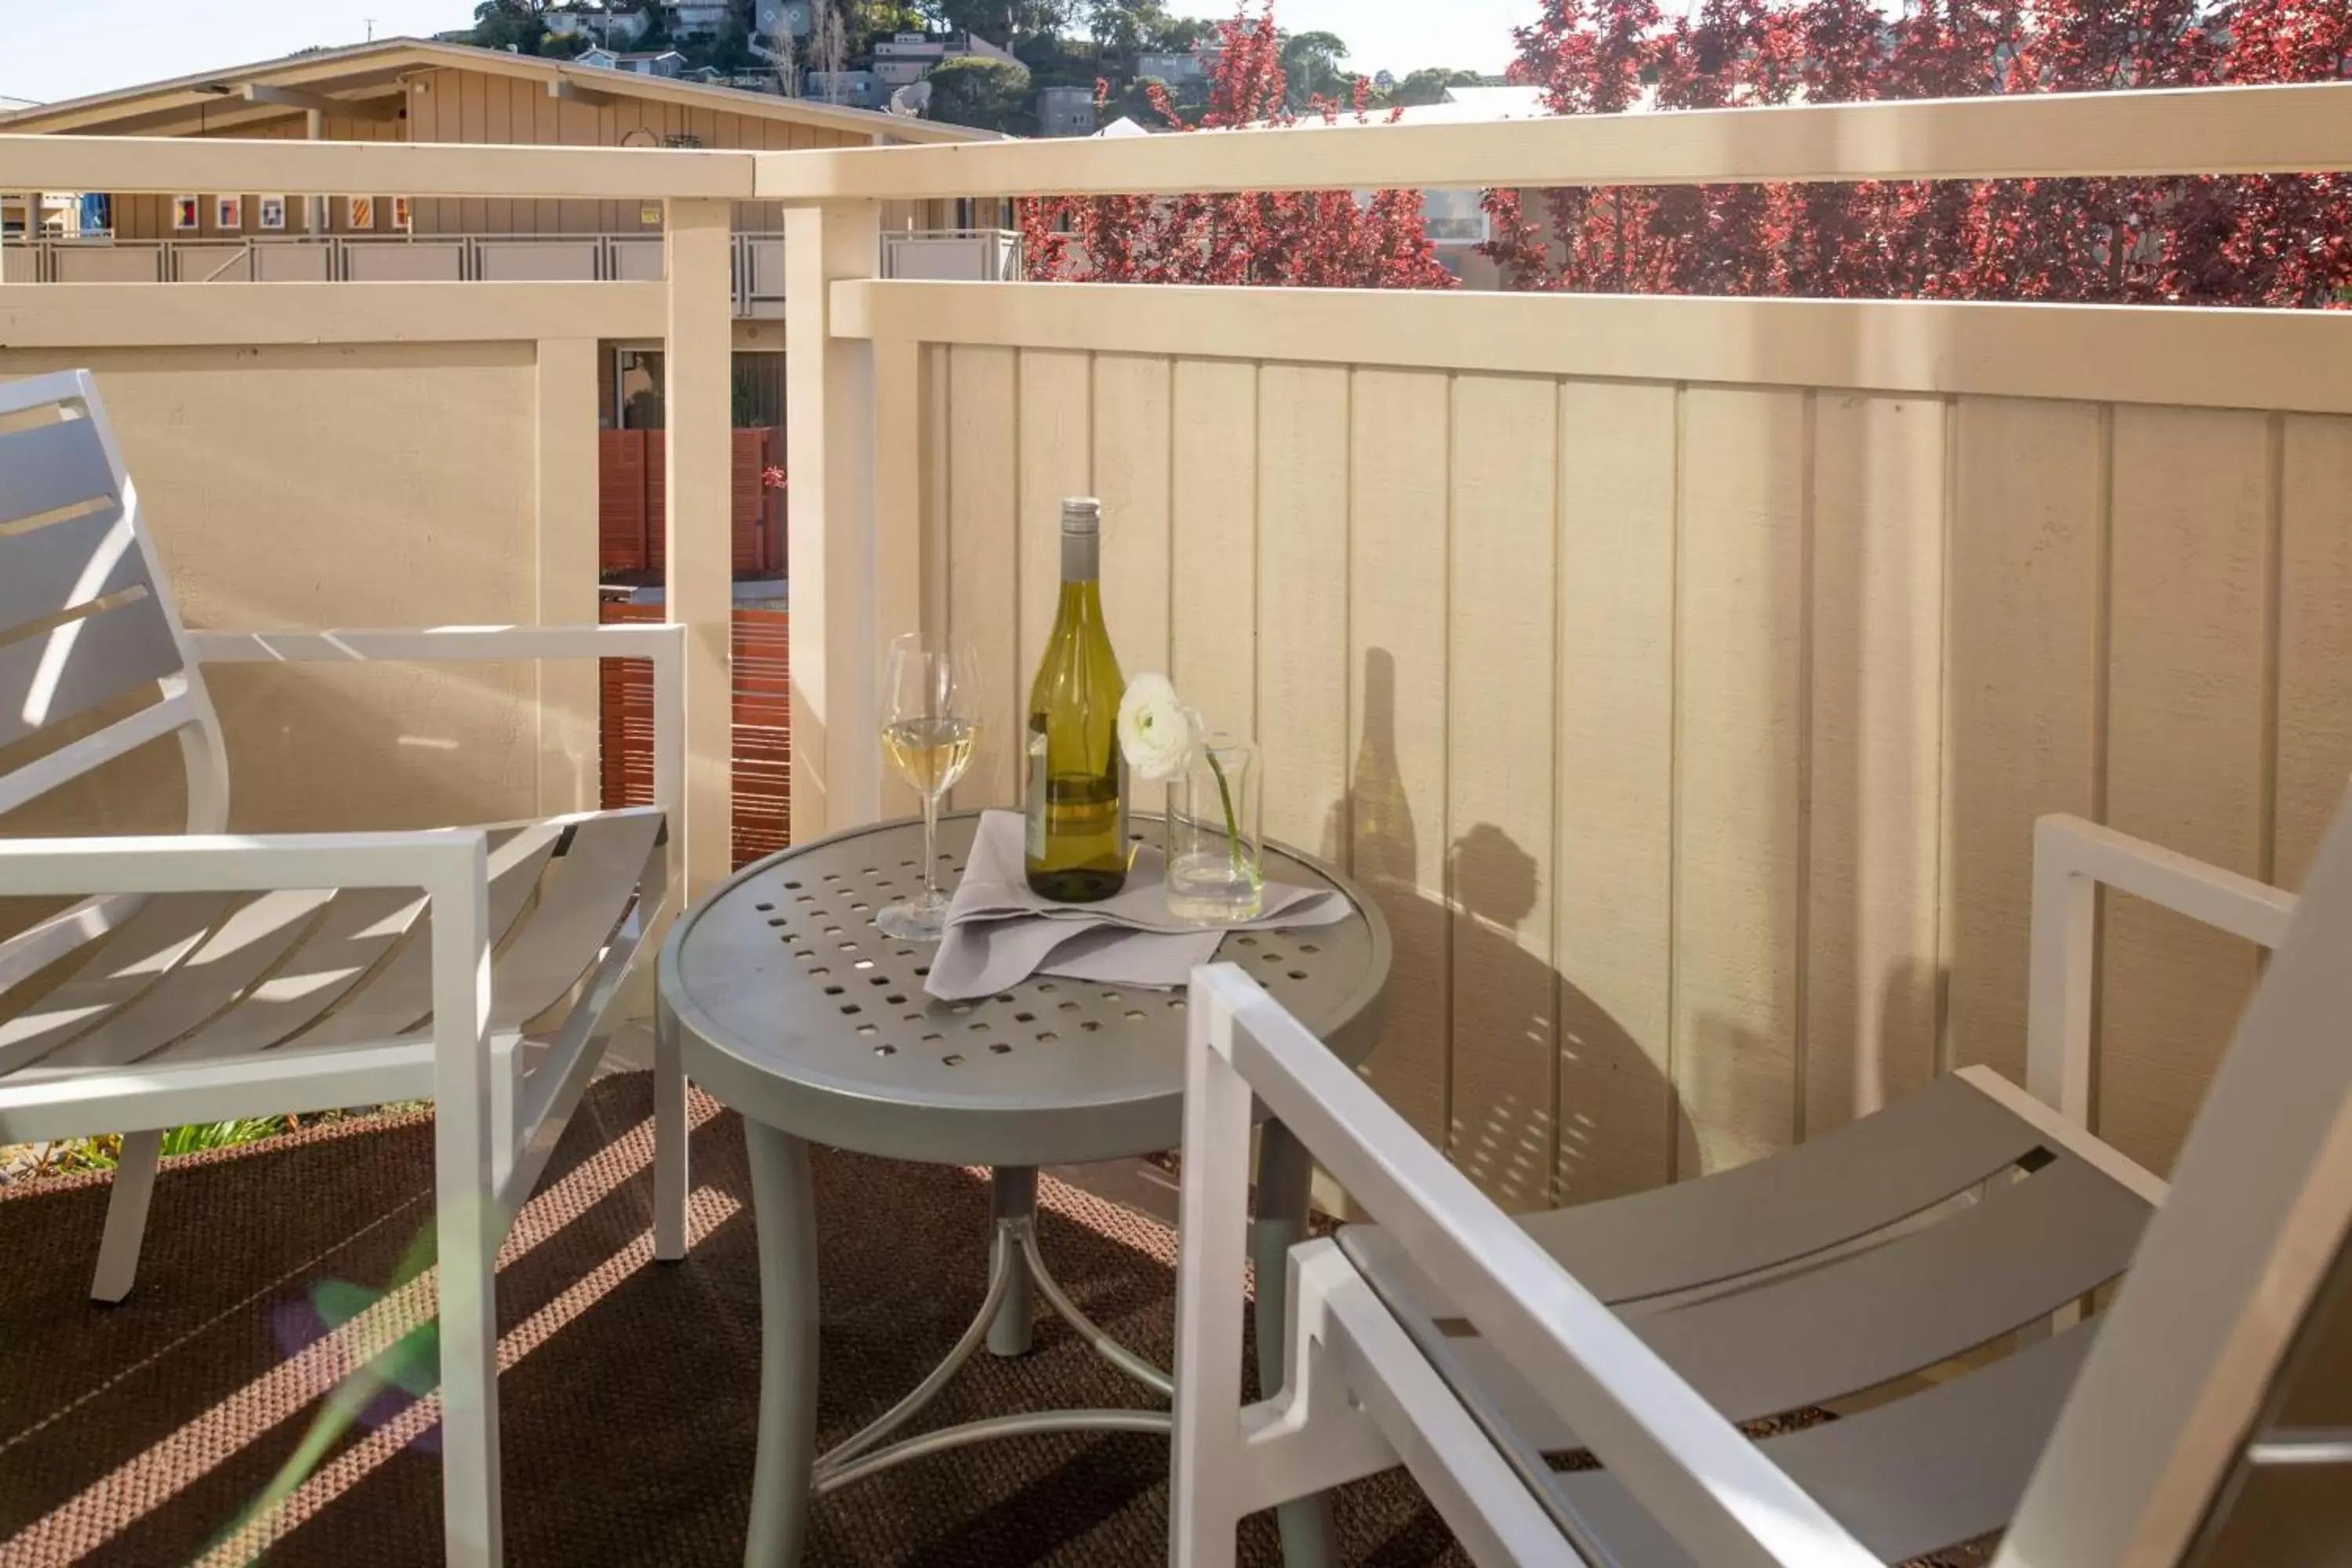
(1458, 924)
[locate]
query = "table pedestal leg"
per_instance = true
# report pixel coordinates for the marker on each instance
(1285, 1171)
(784, 1208)
(1015, 1195)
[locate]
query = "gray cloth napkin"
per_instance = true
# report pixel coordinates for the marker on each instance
(1000, 933)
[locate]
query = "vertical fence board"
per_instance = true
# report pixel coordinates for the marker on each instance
(1056, 462)
(2021, 692)
(983, 557)
(1614, 841)
(1302, 574)
(1213, 618)
(1130, 471)
(2185, 753)
(1396, 656)
(2314, 717)
(1738, 731)
(1499, 784)
(1876, 752)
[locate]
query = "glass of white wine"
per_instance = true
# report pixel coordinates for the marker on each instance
(930, 724)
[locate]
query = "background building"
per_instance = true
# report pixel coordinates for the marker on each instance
(772, 17)
(849, 89)
(637, 62)
(406, 90)
(1066, 111)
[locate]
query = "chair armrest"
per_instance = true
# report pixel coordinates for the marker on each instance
(442, 861)
(635, 639)
(449, 864)
(2072, 858)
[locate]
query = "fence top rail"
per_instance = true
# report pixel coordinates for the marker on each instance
(2293, 361)
(166, 165)
(2304, 129)
(77, 316)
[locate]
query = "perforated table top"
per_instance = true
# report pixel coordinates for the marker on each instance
(792, 1008)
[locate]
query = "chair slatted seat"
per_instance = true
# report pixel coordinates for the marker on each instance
(1923, 1150)
(1906, 1479)
(339, 957)
(149, 948)
(396, 1001)
(239, 949)
(1859, 1321)
(583, 897)
(202, 976)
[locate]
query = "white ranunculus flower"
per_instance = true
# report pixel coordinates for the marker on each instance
(1156, 732)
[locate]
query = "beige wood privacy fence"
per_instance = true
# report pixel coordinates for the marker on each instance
(1691, 726)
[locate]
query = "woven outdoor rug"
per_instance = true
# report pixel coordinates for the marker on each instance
(135, 1434)
(138, 1435)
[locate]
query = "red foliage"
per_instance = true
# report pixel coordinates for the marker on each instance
(2285, 240)
(1304, 240)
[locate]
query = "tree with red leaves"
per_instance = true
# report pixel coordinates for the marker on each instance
(2270, 241)
(2283, 239)
(1328, 239)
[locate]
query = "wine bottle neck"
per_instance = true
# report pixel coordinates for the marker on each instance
(1080, 605)
(1081, 559)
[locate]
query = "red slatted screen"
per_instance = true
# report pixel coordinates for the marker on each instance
(763, 744)
(633, 471)
(657, 505)
(621, 537)
(763, 734)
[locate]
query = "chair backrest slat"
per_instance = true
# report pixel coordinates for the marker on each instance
(73, 667)
(45, 466)
(67, 563)
(2231, 1268)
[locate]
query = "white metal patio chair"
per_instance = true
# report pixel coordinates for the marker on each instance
(210, 975)
(2204, 1417)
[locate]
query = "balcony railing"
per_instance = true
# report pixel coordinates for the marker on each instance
(1647, 656)
(757, 275)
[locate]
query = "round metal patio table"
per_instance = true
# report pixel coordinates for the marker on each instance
(791, 1007)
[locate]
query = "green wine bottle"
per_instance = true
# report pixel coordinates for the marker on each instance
(1077, 779)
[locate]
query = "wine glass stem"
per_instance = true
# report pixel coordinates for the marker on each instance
(931, 847)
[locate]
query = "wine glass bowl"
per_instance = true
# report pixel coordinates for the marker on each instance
(931, 727)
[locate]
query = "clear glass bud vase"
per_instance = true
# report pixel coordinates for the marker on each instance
(1215, 840)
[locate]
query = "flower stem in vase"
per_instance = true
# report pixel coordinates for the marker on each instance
(1226, 796)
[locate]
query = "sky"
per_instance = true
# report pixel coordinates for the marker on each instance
(69, 48)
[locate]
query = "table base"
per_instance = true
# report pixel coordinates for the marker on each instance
(1014, 1259)
(788, 1472)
